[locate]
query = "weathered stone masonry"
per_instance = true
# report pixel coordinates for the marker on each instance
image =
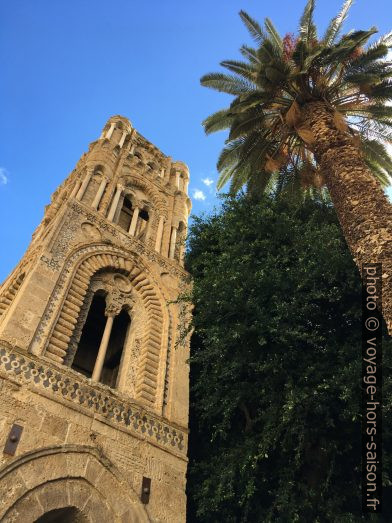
(93, 382)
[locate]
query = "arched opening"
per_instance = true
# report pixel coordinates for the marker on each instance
(126, 212)
(62, 515)
(91, 337)
(90, 341)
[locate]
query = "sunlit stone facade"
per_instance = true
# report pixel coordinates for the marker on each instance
(93, 364)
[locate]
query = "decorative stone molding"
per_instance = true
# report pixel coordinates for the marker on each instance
(73, 476)
(132, 181)
(65, 306)
(9, 294)
(93, 398)
(125, 240)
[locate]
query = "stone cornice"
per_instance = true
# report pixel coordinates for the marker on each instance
(93, 399)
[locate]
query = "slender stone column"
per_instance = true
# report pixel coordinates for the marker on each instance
(102, 349)
(158, 241)
(75, 189)
(148, 229)
(135, 216)
(99, 194)
(182, 255)
(173, 240)
(122, 139)
(178, 179)
(132, 149)
(162, 173)
(113, 208)
(186, 184)
(84, 185)
(111, 129)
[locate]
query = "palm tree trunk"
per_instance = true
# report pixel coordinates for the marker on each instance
(364, 211)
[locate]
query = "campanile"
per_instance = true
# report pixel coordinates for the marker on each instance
(93, 369)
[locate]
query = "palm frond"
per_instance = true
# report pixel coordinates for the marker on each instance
(336, 24)
(250, 54)
(226, 83)
(381, 92)
(378, 173)
(225, 175)
(375, 130)
(307, 29)
(274, 35)
(246, 123)
(385, 39)
(218, 121)
(343, 50)
(242, 68)
(377, 152)
(244, 103)
(230, 154)
(253, 27)
(239, 179)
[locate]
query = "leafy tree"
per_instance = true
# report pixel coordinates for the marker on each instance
(276, 367)
(313, 110)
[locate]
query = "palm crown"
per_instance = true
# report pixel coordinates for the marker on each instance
(268, 138)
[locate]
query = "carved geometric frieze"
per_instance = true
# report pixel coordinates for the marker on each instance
(92, 399)
(110, 233)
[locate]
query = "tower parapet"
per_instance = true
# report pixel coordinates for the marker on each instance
(89, 321)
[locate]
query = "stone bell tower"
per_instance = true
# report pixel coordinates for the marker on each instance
(93, 366)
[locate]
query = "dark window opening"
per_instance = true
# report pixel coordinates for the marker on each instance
(142, 222)
(62, 515)
(143, 215)
(115, 349)
(126, 212)
(91, 337)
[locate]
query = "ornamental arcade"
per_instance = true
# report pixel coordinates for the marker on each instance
(93, 366)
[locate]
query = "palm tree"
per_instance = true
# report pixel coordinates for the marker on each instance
(315, 109)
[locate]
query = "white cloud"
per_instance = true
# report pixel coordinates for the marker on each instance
(198, 194)
(207, 181)
(3, 176)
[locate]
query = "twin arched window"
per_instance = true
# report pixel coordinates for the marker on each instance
(100, 348)
(133, 218)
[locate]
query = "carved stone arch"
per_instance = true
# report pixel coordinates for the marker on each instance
(9, 292)
(106, 283)
(66, 312)
(73, 476)
(158, 202)
(138, 154)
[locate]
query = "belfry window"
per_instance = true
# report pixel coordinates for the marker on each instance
(102, 341)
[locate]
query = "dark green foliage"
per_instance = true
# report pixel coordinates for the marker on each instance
(276, 367)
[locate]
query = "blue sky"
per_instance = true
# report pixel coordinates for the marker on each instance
(67, 66)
